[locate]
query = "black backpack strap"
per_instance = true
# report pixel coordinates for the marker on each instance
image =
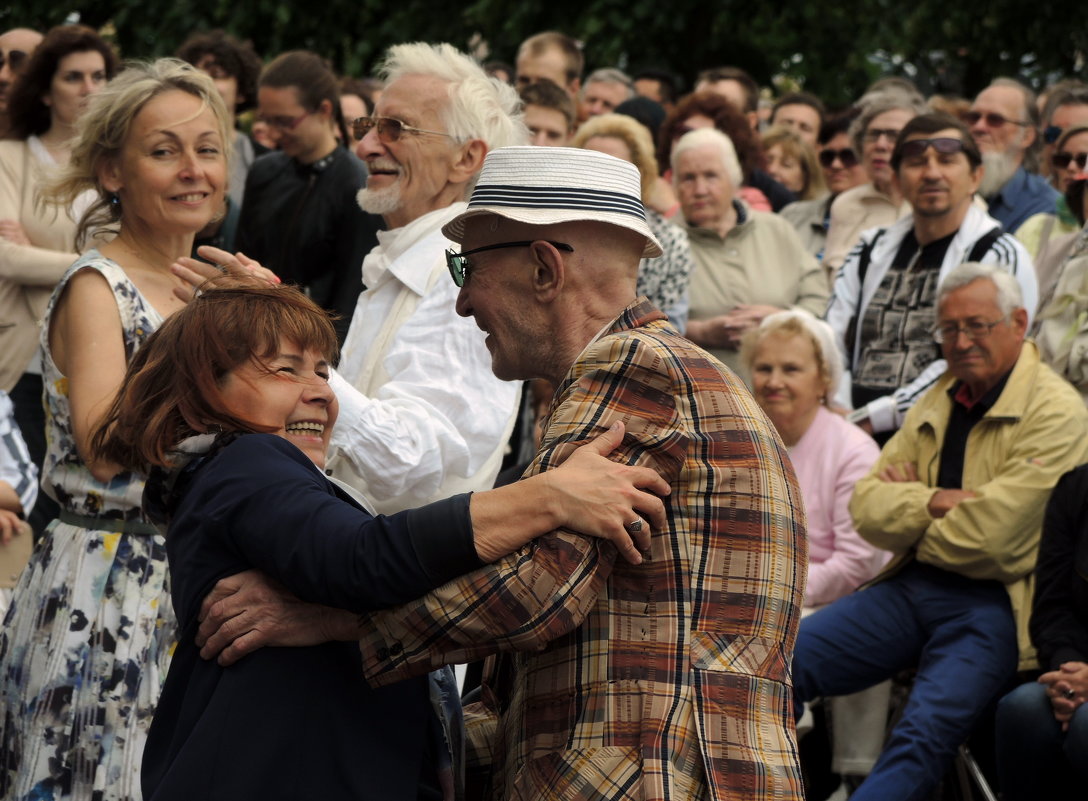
(983, 245)
(864, 258)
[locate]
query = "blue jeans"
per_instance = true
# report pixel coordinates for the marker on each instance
(960, 635)
(1035, 758)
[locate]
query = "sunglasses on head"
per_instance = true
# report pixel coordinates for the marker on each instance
(945, 145)
(846, 156)
(1062, 160)
(993, 119)
(389, 129)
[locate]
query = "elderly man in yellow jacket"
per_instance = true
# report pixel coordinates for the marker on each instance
(958, 495)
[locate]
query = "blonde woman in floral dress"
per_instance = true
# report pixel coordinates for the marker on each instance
(86, 642)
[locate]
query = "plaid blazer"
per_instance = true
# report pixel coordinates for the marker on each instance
(665, 680)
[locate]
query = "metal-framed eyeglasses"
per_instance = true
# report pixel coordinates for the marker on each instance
(390, 129)
(460, 267)
(976, 330)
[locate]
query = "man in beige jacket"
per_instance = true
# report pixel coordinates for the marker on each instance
(958, 495)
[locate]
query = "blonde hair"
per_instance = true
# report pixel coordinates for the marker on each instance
(633, 134)
(797, 148)
(103, 129)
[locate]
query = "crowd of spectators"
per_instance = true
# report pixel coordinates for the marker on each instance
(901, 284)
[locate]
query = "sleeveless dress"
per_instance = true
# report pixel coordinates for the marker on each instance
(87, 640)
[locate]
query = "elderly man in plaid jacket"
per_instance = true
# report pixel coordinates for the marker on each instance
(668, 679)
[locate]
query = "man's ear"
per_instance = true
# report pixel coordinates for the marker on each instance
(549, 270)
(468, 162)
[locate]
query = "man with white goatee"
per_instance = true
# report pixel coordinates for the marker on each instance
(421, 414)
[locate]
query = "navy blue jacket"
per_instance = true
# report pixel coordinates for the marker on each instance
(291, 723)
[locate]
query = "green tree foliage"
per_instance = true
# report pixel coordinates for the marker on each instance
(831, 48)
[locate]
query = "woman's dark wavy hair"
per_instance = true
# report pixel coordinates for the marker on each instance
(237, 58)
(27, 112)
(173, 386)
(726, 118)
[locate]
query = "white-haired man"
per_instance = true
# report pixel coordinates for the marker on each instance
(421, 415)
(1004, 121)
(958, 496)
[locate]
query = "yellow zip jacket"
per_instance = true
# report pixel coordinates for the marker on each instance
(1035, 432)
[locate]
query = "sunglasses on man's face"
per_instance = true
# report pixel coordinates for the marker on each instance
(15, 59)
(944, 145)
(993, 119)
(1063, 159)
(389, 129)
(460, 267)
(846, 157)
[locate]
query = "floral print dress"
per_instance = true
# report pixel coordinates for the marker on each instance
(86, 642)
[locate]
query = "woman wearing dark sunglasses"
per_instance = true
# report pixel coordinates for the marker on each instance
(842, 170)
(1048, 236)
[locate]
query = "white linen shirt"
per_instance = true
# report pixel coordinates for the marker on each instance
(435, 416)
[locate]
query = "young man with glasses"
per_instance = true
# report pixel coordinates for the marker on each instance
(883, 303)
(16, 48)
(1004, 122)
(299, 217)
(958, 496)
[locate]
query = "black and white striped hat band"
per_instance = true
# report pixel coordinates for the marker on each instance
(549, 197)
(556, 185)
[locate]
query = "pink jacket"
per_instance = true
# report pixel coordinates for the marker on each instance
(831, 456)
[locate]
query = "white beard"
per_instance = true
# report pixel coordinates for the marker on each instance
(379, 201)
(999, 169)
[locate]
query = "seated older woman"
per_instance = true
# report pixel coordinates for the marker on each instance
(748, 264)
(795, 369)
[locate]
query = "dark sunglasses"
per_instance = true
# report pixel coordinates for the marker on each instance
(993, 119)
(847, 156)
(389, 129)
(459, 266)
(1061, 160)
(1051, 133)
(16, 59)
(945, 145)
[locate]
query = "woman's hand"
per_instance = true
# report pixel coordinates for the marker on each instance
(588, 493)
(12, 526)
(12, 230)
(195, 272)
(603, 498)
